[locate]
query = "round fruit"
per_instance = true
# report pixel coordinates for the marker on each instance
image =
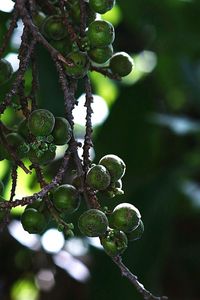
(100, 34)
(33, 221)
(38, 19)
(136, 233)
(115, 166)
(98, 178)
(15, 141)
(101, 6)
(44, 159)
(6, 71)
(1, 187)
(121, 64)
(75, 12)
(66, 198)
(41, 122)
(64, 46)
(53, 28)
(93, 222)
(80, 64)
(114, 242)
(23, 128)
(62, 131)
(125, 217)
(2, 211)
(100, 55)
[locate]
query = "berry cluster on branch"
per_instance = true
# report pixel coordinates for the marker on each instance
(78, 41)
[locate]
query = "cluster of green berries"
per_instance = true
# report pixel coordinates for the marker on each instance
(37, 137)
(95, 47)
(114, 228)
(124, 223)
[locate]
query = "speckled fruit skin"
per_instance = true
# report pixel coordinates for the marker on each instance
(46, 158)
(80, 67)
(100, 55)
(6, 71)
(100, 34)
(115, 166)
(66, 198)
(101, 6)
(41, 122)
(125, 217)
(93, 223)
(53, 28)
(62, 131)
(98, 178)
(136, 234)
(121, 64)
(114, 242)
(1, 187)
(33, 221)
(75, 12)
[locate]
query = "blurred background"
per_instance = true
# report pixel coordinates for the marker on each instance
(151, 120)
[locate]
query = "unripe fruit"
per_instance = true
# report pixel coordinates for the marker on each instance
(62, 131)
(98, 178)
(121, 64)
(64, 46)
(101, 6)
(75, 13)
(23, 128)
(80, 64)
(137, 233)
(93, 222)
(15, 140)
(33, 221)
(115, 166)
(100, 34)
(114, 242)
(6, 71)
(53, 28)
(125, 217)
(100, 55)
(1, 187)
(66, 198)
(41, 122)
(44, 159)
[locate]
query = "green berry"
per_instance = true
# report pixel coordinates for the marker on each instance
(125, 217)
(101, 6)
(136, 234)
(1, 187)
(6, 71)
(62, 131)
(54, 28)
(121, 64)
(40, 157)
(114, 242)
(115, 166)
(41, 122)
(66, 198)
(75, 13)
(93, 222)
(64, 46)
(33, 221)
(80, 64)
(15, 140)
(98, 178)
(100, 34)
(100, 55)
(23, 128)
(38, 19)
